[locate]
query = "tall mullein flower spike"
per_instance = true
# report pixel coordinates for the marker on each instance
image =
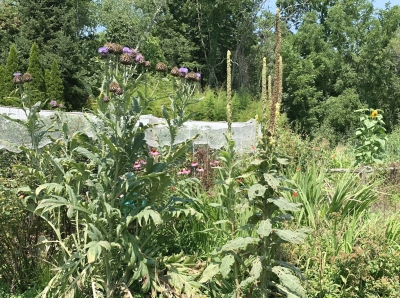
(264, 91)
(275, 95)
(229, 93)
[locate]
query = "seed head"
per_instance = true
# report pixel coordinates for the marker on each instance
(161, 67)
(27, 77)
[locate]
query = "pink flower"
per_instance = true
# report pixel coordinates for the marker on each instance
(194, 164)
(200, 169)
(137, 166)
(212, 164)
(216, 162)
(142, 161)
(154, 152)
(184, 172)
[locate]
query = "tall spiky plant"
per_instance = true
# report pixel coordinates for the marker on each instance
(229, 93)
(275, 101)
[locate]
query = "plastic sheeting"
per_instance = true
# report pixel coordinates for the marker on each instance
(212, 134)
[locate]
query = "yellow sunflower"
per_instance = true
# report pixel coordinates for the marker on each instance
(374, 113)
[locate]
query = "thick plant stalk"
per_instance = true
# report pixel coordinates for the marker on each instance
(264, 91)
(229, 94)
(275, 95)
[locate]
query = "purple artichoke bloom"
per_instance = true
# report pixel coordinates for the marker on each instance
(103, 51)
(139, 57)
(198, 75)
(16, 74)
(183, 70)
(53, 104)
(126, 50)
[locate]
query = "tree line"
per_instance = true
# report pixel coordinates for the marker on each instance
(338, 55)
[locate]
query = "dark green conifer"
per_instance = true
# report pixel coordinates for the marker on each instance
(12, 66)
(54, 84)
(36, 70)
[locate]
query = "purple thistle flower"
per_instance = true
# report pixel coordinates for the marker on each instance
(103, 51)
(16, 74)
(183, 70)
(126, 50)
(139, 57)
(53, 104)
(133, 53)
(198, 75)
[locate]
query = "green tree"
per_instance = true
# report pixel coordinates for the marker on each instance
(9, 25)
(60, 29)
(12, 66)
(54, 84)
(36, 70)
(339, 53)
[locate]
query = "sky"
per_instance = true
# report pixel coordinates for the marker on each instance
(381, 3)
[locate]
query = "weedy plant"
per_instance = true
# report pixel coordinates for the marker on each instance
(371, 137)
(248, 264)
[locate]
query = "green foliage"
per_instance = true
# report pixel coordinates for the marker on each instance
(371, 137)
(35, 68)
(12, 66)
(54, 84)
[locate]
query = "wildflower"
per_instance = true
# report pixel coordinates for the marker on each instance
(126, 50)
(61, 106)
(154, 152)
(133, 53)
(374, 113)
(240, 180)
(216, 162)
(184, 172)
(297, 169)
(119, 91)
(183, 71)
(175, 72)
(140, 59)
(191, 76)
(316, 148)
(27, 77)
(142, 161)
(161, 67)
(194, 164)
(198, 75)
(103, 51)
(295, 194)
(173, 188)
(137, 166)
(17, 78)
(212, 164)
(113, 87)
(126, 59)
(53, 104)
(200, 169)
(333, 156)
